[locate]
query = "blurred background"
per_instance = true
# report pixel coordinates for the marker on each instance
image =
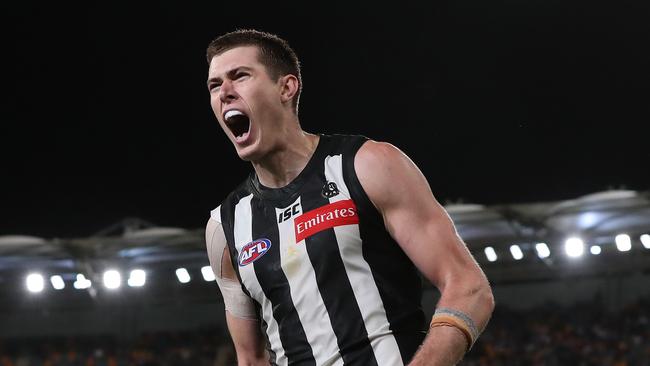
(528, 119)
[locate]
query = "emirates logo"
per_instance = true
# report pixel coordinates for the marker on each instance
(339, 213)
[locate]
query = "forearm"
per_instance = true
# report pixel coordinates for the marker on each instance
(443, 346)
(447, 344)
(247, 340)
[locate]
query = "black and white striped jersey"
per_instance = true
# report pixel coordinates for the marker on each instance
(330, 284)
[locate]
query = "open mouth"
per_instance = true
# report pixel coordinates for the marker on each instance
(238, 122)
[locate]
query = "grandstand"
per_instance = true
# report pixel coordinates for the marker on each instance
(573, 273)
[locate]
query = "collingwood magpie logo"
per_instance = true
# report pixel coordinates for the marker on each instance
(330, 190)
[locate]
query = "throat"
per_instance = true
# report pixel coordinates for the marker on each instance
(280, 168)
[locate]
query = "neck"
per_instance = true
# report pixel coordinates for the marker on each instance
(278, 168)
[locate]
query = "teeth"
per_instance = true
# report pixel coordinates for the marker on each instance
(232, 113)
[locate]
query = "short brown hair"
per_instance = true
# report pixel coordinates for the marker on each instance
(274, 53)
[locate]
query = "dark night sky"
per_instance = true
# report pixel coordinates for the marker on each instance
(105, 113)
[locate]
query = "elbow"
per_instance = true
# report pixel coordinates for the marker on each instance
(484, 300)
(479, 294)
(483, 293)
(489, 297)
(474, 291)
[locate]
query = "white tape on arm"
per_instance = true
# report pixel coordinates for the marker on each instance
(238, 304)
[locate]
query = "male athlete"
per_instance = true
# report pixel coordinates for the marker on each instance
(318, 253)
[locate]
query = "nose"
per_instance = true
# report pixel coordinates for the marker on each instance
(227, 92)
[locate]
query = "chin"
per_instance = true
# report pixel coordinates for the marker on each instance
(248, 153)
(245, 157)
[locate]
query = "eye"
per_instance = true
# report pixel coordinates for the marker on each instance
(240, 75)
(214, 87)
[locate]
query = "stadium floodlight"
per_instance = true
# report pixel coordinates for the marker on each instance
(112, 279)
(574, 247)
(137, 278)
(516, 252)
(57, 282)
(490, 254)
(35, 282)
(595, 249)
(183, 275)
(623, 242)
(82, 282)
(645, 240)
(542, 250)
(207, 273)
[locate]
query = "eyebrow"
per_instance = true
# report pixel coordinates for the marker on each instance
(231, 73)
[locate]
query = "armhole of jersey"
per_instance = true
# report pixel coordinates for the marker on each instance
(216, 214)
(357, 192)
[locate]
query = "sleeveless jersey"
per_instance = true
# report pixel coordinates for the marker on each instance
(330, 284)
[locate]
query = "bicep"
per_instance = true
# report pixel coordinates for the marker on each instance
(411, 214)
(218, 253)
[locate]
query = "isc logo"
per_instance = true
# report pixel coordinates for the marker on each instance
(253, 251)
(290, 211)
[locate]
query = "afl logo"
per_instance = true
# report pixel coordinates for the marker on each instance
(253, 251)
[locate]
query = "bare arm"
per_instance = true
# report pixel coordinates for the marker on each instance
(243, 326)
(425, 232)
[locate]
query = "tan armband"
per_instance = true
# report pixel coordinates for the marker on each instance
(237, 303)
(458, 319)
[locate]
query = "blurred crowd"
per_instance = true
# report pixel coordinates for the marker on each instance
(206, 347)
(581, 335)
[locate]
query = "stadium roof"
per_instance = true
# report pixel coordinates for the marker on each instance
(596, 219)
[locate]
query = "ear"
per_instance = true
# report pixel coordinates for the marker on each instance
(289, 86)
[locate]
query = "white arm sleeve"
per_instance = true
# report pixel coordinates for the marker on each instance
(238, 304)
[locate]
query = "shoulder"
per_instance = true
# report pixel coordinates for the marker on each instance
(215, 239)
(387, 174)
(377, 149)
(214, 222)
(212, 228)
(377, 158)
